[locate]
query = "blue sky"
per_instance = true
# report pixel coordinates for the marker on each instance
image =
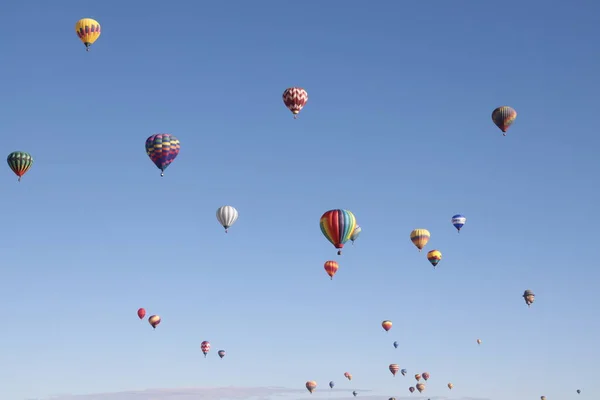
(397, 129)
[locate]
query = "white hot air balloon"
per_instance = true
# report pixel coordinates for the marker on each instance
(227, 215)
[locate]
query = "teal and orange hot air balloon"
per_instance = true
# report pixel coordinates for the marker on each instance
(19, 162)
(504, 117)
(337, 226)
(162, 149)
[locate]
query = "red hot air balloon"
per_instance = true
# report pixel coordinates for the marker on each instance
(154, 320)
(394, 368)
(331, 268)
(295, 99)
(387, 325)
(141, 313)
(348, 375)
(205, 347)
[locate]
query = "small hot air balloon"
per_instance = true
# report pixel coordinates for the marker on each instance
(205, 347)
(331, 268)
(348, 375)
(529, 297)
(411, 389)
(386, 325)
(420, 387)
(395, 345)
(356, 233)
(578, 391)
(434, 257)
(504, 117)
(311, 386)
(295, 99)
(19, 162)
(162, 149)
(141, 313)
(403, 372)
(418, 377)
(478, 341)
(337, 226)
(392, 398)
(221, 353)
(394, 368)
(88, 31)
(355, 393)
(543, 397)
(154, 320)
(420, 237)
(450, 386)
(458, 221)
(227, 215)
(425, 375)
(331, 384)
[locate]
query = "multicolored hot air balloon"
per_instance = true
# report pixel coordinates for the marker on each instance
(348, 375)
(420, 237)
(395, 345)
(459, 221)
(420, 387)
(478, 341)
(386, 325)
(418, 377)
(504, 117)
(221, 353)
(19, 162)
(411, 389)
(331, 384)
(205, 347)
(529, 297)
(425, 375)
(450, 386)
(355, 393)
(162, 149)
(227, 215)
(337, 226)
(394, 368)
(356, 233)
(434, 257)
(311, 386)
(88, 31)
(295, 99)
(331, 268)
(141, 313)
(154, 320)
(403, 371)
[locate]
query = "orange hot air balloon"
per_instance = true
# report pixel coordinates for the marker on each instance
(311, 386)
(394, 368)
(478, 341)
(386, 325)
(450, 386)
(331, 268)
(420, 237)
(141, 313)
(418, 377)
(348, 375)
(154, 320)
(420, 387)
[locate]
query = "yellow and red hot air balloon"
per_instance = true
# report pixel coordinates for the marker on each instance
(418, 377)
(420, 387)
(88, 31)
(348, 375)
(295, 99)
(420, 237)
(434, 257)
(154, 320)
(331, 268)
(450, 386)
(504, 117)
(394, 368)
(311, 386)
(386, 325)
(337, 226)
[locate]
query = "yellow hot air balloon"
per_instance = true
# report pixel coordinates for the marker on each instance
(450, 386)
(88, 31)
(420, 237)
(434, 257)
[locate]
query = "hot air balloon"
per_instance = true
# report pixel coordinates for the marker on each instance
(355, 393)
(356, 233)
(337, 226)
(141, 313)
(221, 353)
(295, 99)
(205, 347)
(418, 377)
(19, 162)
(420, 387)
(403, 372)
(411, 389)
(227, 215)
(458, 221)
(162, 149)
(331, 384)
(331, 268)
(425, 375)
(154, 320)
(392, 398)
(504, 117)
(420, 237)
(529, 297)
(395, 345)
(348, 375)
(543, 397)
(88, 31)
(450, 386)
(434, 257)
(478, 341)
(394, 368)
(386, 325)
(578, 391)
(311, 386)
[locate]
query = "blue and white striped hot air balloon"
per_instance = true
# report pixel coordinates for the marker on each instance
(458, 221)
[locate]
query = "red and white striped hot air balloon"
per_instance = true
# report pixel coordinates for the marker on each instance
(295, 99)
(205, 347)
(394, 368)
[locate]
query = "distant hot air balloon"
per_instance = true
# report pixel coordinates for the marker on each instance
(331, 268)
(434, 257)
(337, 226)
(504, 117)
(348, 375)
(162, 149)
(578, 391)
(529, 297)
(543, 397)
(386, 325)
(227, 215)
(154, 320)
(420, 237)
(295, 99)
(411, 389)
(88, 31)
(221, 353)
(425, 375)
(458, 221)
(355, 393)
(311, 386)
(205, 347)
(141, 313)
(392, 398)
(356, 233)
(420, 387)
(418, 377)
(395, 345)
(403, 372)
(394, 368)
(19, 162)
(331, 384)
(478, 341)
(450, 386)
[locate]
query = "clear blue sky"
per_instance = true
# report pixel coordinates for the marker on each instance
(397, 129)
